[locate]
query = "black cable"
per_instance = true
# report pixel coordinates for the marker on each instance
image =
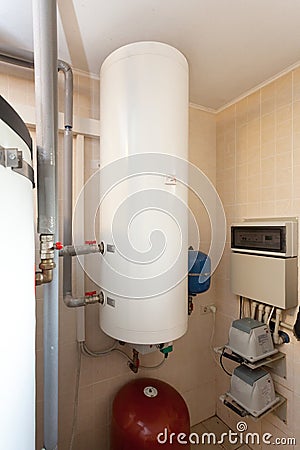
(241, 306)
(221, 362)
(297, 326)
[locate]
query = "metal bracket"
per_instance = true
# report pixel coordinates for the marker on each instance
(10, 157)
(279, 408)
(13, 158)
(276, 363)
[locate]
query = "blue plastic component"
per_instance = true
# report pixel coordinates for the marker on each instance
(199, 272)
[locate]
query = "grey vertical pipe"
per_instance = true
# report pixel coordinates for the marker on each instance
(45, 63)
(67, 176)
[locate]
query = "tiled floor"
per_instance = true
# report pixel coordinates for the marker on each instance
(216, 426)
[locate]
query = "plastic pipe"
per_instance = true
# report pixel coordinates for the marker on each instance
(267, 313)
(45, 65)
(285, 325)
(261, 308)
(253, 309)
(276, 338)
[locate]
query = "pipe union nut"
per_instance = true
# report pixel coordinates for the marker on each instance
(47, 264)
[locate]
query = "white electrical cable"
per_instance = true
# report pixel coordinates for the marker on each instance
(75, 411)
(270, 316)
(95, 354)
(212, 338)
(92, 354)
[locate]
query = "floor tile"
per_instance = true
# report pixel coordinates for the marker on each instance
(215, 425)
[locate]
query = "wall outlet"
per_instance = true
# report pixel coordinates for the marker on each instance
(206, 309)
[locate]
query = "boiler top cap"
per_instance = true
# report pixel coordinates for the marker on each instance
(145, 48)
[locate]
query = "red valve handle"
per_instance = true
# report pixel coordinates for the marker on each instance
(58, 246)
(89, 294)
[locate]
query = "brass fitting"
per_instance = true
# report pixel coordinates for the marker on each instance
(47, 263)
(91, 299)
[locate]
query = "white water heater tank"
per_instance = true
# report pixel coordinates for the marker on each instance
(143, 214)
(17, 286)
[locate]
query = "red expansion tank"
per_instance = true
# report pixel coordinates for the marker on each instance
(145, 413)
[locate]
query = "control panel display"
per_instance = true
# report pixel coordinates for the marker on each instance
(270, 239)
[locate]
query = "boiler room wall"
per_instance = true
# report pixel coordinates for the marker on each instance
(258, 168)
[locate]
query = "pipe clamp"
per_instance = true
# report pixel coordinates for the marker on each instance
(13, 158)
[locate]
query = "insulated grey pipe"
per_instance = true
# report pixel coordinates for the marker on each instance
(45, 59)
(69, 300)
(86, 249)
(68, 74)
(67, 178)
(45, 64)
(67, 218)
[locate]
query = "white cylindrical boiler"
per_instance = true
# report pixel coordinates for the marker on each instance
(143, 213)
(17, 294)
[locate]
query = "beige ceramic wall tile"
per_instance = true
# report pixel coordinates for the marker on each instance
(253, 106)
(268, 98)
(254, 133)
(283, 207)
(296, 158)
(283, 129)
(283, 90)
(242, 112)
(201, 402)
(284, 113)
(268, 128)
(296, 84)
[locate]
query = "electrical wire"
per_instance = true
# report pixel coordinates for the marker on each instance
(93, 354)
(156, 366)
(212, 338)
(75, 410)
(221, 362)
(241, 306)
(270, 316)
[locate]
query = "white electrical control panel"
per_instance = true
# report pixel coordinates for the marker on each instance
(264, 262)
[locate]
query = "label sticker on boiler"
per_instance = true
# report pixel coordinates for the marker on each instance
(110, 248)
(111, 302)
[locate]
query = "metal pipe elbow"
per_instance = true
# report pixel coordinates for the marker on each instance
(72, 302)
